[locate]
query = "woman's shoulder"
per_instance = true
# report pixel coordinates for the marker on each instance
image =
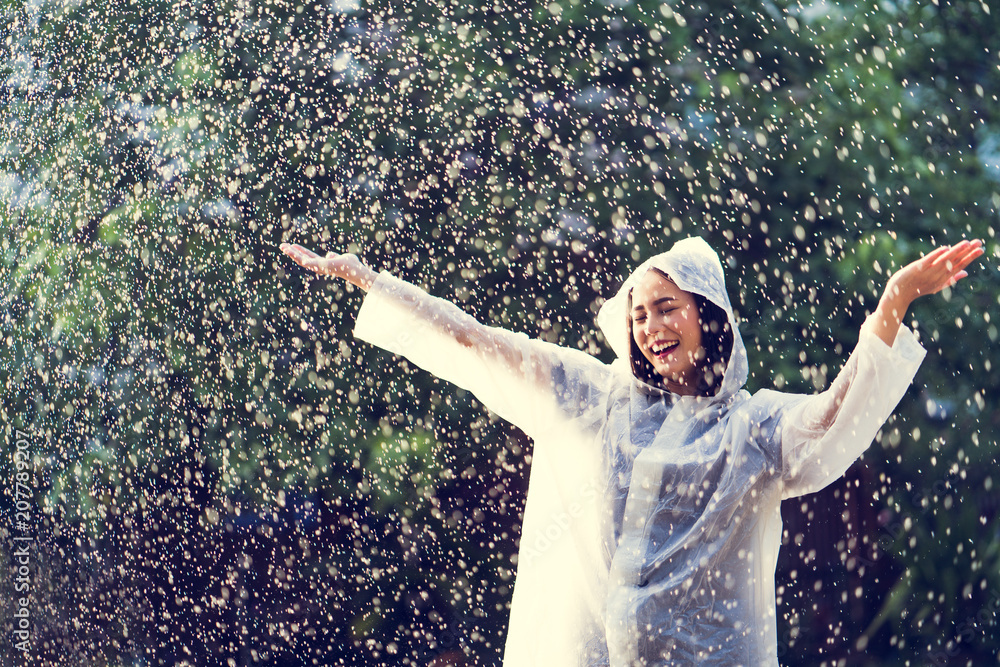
(766, 405)
(773, 399)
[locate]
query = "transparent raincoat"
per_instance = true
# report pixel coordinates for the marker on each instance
(652, 523)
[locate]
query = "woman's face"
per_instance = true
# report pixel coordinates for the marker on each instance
(667, 330)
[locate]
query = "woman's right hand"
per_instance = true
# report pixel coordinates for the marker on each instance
(346, 266)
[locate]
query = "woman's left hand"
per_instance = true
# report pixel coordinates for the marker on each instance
(943, 267)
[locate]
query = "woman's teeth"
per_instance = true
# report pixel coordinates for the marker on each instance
(663, 349)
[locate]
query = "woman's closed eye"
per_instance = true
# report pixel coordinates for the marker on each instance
(640, 318)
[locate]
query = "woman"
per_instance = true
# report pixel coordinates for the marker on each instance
(652, 523)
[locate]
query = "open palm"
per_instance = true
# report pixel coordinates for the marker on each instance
(943, 267)
(346, 266)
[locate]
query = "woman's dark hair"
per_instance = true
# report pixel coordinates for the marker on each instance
(716, 338)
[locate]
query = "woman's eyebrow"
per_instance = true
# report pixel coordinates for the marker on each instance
(655, 303)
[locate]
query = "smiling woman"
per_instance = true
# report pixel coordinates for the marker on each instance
(652, 524)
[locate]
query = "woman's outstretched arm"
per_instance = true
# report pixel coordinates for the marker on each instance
(822, 435)
(930, 274)
(527, 382)
(465, 330)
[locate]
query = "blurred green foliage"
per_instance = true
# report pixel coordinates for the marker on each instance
(206, 422)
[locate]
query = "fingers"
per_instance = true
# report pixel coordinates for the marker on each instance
(297, 252)
(946, 253)
(934, 255)
(304, 257)
(955, 257)
(970, 255)
(955, 278)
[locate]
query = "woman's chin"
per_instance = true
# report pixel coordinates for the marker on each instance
(669, 374)
(677, 383)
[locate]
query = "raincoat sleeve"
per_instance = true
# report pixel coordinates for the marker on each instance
(536, 386)
(822, 435)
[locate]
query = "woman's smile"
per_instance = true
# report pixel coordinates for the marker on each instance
(662, 349)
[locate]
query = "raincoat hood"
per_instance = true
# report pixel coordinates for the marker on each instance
(694, 267)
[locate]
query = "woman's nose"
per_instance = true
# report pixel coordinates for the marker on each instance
(654, 324)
